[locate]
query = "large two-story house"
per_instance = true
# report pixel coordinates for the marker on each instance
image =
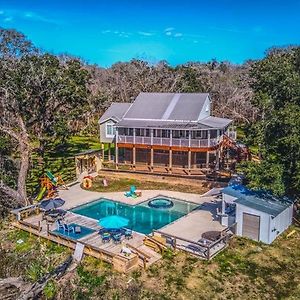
(173, 130)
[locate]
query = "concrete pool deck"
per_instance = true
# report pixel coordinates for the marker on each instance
(191, 226)
(76, 196)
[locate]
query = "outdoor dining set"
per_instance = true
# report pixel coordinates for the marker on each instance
(114, 228)
(115, 235)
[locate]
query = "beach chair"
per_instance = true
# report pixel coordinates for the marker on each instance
(68, 228)
(131, 193)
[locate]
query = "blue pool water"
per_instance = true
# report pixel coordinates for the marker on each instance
(142, 218)
(84, 231)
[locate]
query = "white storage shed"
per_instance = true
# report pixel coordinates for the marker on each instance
(258, 216)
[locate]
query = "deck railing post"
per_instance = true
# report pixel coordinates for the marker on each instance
(208, 253)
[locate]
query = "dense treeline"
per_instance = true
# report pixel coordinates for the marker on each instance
(228, 84)
(46, 98)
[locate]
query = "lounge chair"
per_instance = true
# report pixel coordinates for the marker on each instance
(68, 228)
(131, 193)
(117, 238)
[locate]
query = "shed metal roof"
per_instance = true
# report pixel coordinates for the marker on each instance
(258, 200)
(116, 112)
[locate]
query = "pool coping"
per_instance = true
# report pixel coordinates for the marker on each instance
(134, 204)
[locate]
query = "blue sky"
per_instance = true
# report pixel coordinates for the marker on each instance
(105, 32)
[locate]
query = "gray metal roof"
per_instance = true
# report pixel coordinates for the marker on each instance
(164, 110)
(167, 106)
(215, 122)
(258, 200)
(116, 112)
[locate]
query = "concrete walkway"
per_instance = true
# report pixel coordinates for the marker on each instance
(193, 225)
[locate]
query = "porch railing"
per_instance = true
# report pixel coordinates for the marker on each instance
(178, 142)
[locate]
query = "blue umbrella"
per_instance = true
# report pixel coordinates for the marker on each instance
(113, 222)
(51, 203)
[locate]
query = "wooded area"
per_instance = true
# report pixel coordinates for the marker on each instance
(45, 99)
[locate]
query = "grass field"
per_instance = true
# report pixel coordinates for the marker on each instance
(120, 184)
(59, 159)
(245, 270)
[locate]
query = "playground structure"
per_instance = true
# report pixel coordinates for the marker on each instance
(49, 185)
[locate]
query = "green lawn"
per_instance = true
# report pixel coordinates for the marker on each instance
(245, 270)
(59, 160)
(123, 184)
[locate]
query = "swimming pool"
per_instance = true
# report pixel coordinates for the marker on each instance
(142, 218)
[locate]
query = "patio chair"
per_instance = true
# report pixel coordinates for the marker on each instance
(128, 234)
(59, 224)
(105, 237)
(68, 228)
(117, 238)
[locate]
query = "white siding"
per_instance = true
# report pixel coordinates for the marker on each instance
(264, 221)
(280, 223)
(103, 137)
(205, 112)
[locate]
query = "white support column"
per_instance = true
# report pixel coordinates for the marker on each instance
(151, 158)
(109, 152)
(189, 139)
(117, 148)
(208, 138)
(170, 160)
(133, 156)
(171, 136)
(207, 159)
(189, 161)
(133, 135)
(102, 151)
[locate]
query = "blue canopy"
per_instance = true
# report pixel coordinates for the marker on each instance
(113, 222)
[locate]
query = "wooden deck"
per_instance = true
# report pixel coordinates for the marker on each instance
(141, 256)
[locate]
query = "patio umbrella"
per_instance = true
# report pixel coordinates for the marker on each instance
(113, 222)
(52, 203)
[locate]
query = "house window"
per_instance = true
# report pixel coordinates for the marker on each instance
(110, 129)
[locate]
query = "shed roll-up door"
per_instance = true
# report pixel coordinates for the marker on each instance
(251, 226)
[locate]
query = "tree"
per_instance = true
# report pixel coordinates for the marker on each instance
(37, 90)
(276, 85)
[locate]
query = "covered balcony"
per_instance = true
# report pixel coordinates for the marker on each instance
(171, 138)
